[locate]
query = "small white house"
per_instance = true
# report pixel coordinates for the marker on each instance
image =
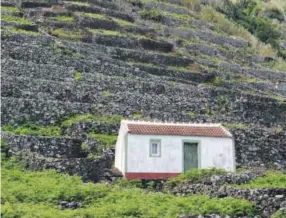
(154, 150)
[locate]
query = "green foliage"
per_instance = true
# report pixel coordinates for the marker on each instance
(66, 19)
(14, 30)
(67, 34)
(171, 84)
(107, 140)
(106, 93)
(216, 82)
(236, 126)
(280, 213)
(92, 15)
(89, 117)
(58, 48)
(192, 114)
(14, 19)
(33, 129)
(138, 115)
(77, 76)
(79, 3)
(270, 180)
(153, 14)
(9, 9)
(197, 175)
(36, 194)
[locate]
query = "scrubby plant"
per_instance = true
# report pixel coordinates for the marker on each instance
(153, 14)
(106, 93)
(78, 3)
(37, 194)
(77, 76)
(197, 175)
(270, 180)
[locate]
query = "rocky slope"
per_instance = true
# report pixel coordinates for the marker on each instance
(79, 67)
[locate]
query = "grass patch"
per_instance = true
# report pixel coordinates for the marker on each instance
(90, 117)
(65, 19)
(33, 129)
(107, 140)
(182, 69)
(14, 19)
(13, 30)
(270, 180)
(36, 194)
(197, 175)
(78, 3)
(66, 34)
(92, 15)
(9, 9)
(122, 23)
(105, 32)
(236, 126)
(216, 82)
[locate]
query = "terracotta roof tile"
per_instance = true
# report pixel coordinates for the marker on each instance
(146, 128)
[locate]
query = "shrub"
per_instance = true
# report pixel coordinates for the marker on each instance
(66, 19)
(153, 14)
(9, 9)
(66, 34)
(37, 194)
(77, 76)
(270, 180)
(197, 175)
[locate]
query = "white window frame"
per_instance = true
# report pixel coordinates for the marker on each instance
(158, 142)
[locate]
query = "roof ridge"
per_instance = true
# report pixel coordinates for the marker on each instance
(171, 123)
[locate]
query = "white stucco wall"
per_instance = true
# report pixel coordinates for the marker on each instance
(120, 149)
(213, 152)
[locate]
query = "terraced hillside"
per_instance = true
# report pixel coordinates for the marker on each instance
(72, 70)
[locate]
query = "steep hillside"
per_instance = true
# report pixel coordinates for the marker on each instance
(71, 70)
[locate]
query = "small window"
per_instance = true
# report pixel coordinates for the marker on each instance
(155, 148)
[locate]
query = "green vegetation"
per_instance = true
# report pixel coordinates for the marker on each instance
(58, 48)
(14, 19)
(13, 30)
(66, 19)
(270, 180)
(197, 175)
(192, 114)
(92, 15)
(106, 93)
(78, 3)
(153, 14)
(122, 23)
(77, 76)
(107, 140)
(90, 117)
(236, 126)
(182, 69)
(280, 213)
(138, 115)
(67, 34)
(33, 129)
(216, 82)
(36, 194)
(9, 9)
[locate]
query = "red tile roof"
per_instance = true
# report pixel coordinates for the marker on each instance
(180, 129)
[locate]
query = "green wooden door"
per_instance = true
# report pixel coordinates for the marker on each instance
(190, 156)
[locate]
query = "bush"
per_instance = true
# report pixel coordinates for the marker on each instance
(36, 194)
(270, 180)
(197, 175)
(153, 14)
(107, 140)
